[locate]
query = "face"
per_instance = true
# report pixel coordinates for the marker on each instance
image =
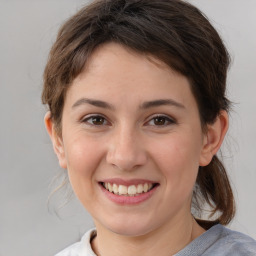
(131, 141)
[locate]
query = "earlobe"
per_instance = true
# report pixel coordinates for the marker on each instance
(213, 138)
(56, 140)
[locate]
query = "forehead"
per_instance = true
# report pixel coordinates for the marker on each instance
(117, 72)
(122, 57)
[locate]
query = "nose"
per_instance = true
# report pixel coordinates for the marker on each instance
(126, 150)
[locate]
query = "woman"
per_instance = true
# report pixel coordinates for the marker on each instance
(137, 113)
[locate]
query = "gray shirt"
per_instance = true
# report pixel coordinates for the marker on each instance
(217, 241)
(220, 241)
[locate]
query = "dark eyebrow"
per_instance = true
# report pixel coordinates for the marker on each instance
(96, 103)
(160, 102)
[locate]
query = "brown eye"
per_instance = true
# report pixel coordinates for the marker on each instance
(160, 120)
(98, 120)
(95, 120)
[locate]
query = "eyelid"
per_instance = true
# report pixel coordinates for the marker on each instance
(171, 120)
(85, 119)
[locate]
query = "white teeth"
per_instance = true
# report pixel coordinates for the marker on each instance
(122, 190)
(115, 188)
(140, 188)
(131, 190)
(145, 188)
(110, 187)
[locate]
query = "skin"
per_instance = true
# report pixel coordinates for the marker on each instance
(129, 142)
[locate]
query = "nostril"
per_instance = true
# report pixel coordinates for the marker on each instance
(125, 152)
(126, 161)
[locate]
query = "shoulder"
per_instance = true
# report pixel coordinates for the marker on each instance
(80, 248)
(236, 242)
(229, 242)
(220, 241)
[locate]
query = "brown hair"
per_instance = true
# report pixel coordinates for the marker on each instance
(176, 33)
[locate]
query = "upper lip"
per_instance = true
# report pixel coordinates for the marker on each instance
(128, 182)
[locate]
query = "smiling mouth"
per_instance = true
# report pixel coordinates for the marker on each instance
(132, 190)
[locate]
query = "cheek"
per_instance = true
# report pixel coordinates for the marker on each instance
(178, 160)
(80, 157)
(83, 157)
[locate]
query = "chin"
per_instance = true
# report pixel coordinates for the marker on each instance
(132, 230)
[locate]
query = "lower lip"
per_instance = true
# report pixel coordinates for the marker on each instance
(128, 200)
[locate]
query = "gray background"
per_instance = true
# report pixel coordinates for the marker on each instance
(28, 165)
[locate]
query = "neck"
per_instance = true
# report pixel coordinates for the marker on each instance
(165, 241)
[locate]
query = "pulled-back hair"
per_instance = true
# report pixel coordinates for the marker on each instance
(176, 33)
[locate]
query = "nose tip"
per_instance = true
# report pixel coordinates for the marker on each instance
(126, 154)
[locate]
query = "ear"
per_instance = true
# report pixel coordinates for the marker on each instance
(213, 138)
(56, 140)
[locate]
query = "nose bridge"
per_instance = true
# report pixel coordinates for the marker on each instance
(126, 151)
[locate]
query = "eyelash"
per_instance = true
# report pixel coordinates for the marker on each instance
(163, 119)
(86, 120)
